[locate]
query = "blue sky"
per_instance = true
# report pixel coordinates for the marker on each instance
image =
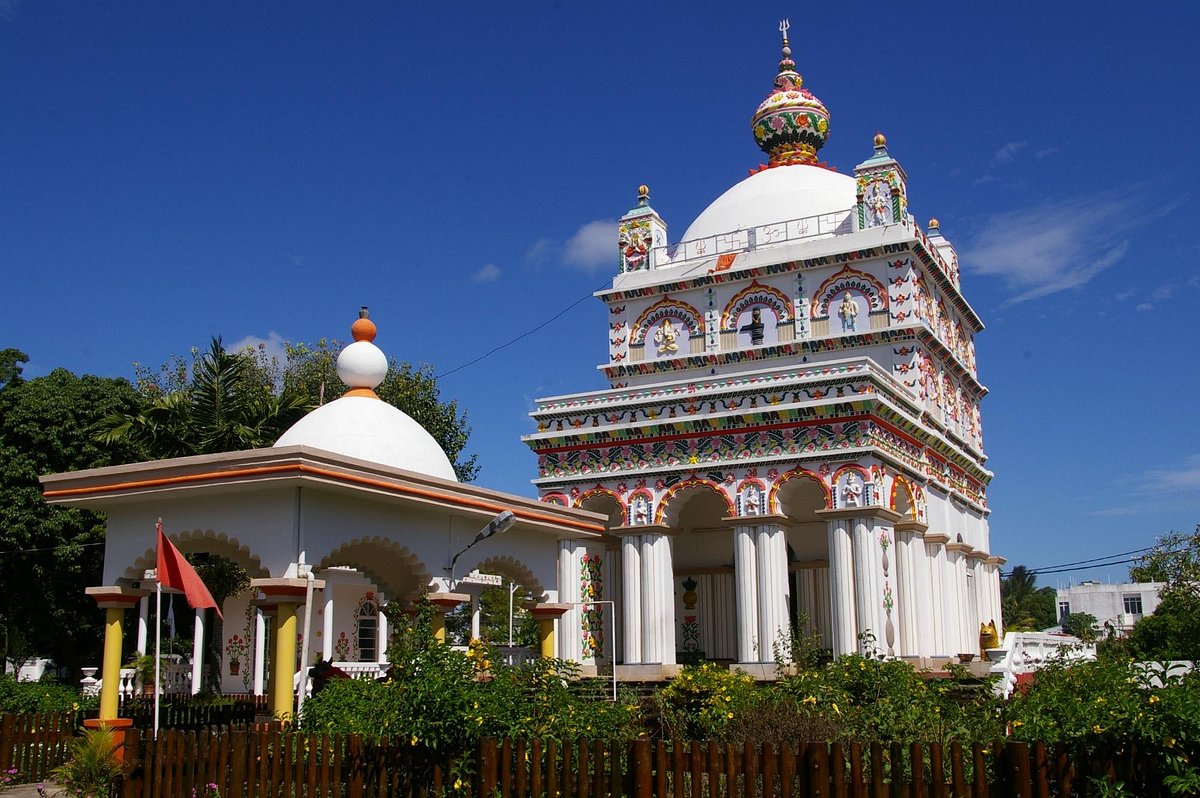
(172, 172)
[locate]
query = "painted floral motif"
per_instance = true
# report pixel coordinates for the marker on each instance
(341, 648)
(237, 648)
(691, 633)
(591, 586)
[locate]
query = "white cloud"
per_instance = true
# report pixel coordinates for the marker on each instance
(539, 251)
(1144, 306)
(1194, 281)
(1160, 488)
(273, 346)
(1126, 295)
(1045, 152)
(593, 246)
(1008, 153)
(1162, 293)
(1045, 250)
(488, 274)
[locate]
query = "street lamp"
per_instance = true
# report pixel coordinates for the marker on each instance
(497, 525)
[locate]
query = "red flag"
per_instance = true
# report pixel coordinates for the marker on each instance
(174, 571)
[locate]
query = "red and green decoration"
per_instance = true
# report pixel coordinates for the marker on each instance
(591, 587)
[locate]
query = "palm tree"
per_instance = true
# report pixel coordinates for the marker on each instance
(228, 405)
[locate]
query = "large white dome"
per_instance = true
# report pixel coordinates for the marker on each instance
(372, 430)
(777, 194)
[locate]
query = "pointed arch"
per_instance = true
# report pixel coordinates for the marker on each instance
(799, 472)
(849, 280)
(701, 484)
(667, 308)
(592, 493)
(901, 498)
(756, 294)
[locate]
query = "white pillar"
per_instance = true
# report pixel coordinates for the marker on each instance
(198, 652)
(383, 637)
(994, 564)
(841, 587)
(952, 602)
(773, 590)
(864, 582)
(631, 594)
(475, 615)
(326, 620)
(260, 648)
(935, 559)
(658, 604)
(905, 592)
(569, 636)
(745, 578)
(143, 624)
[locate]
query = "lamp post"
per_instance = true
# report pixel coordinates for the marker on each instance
(501, 522)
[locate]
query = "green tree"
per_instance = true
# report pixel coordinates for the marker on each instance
(1173, 630)
(228, 403)
(1026, 607)
(311, 371)
(49, 554)
(1081, 625)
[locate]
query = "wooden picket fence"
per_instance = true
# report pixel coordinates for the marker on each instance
(276, 764)
(34, 744)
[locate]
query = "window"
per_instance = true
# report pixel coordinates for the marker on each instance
(368, 632)
(1133, 604)
(1064, 609)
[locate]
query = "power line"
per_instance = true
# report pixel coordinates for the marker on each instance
(512, 341)
(1056, 568)
(50, 548)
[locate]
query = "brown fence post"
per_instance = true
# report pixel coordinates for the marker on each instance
(818, 770)
(837, 770)
(643, 785)
(355, 782)
(917, 769)
(487, 766)
(937, 772)
(8, 724)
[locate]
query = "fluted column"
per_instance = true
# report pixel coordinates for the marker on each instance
(745, 587)
(911, 605)
(841, 587)
(942, 609)
(993, 570)
(773, 589)
(570, 634)
(658, 598)
(631, 595)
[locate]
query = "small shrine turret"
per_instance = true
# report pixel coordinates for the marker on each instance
(882, 189)
(642, 235)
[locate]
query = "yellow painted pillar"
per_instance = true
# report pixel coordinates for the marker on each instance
(438, 625)
(546, 614)
(114, 600)
(110, 671)
(283, 661)
(546, 637)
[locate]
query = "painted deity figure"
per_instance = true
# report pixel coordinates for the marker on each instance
(877, 205)
(755, 327)
(641, 511)
(751, 501)
(635, 249)
(666, 339)
(848, 312)
(852, 492)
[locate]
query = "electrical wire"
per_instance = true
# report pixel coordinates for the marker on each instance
(50, 548)
(1055, 568)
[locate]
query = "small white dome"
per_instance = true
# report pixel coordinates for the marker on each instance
(778, 194)
(369, 429)
(362, 365)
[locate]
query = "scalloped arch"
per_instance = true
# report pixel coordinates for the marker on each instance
(849, 278)
(756, 294)
(798, 472)
(592, 493)
(901, 488)
(514, 569)
(193, 541)
(385, 562)
(703, 484)
(663, 308)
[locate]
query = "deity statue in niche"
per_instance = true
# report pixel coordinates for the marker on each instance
(755, 327)
(635, 247)
(640, 511)
(852, 490)
(848, 313)
(878, 206)
(666, 338)
(877, 489)
(751, 500)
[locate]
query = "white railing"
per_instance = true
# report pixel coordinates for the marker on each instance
(1025, 652)
(176, 680)
(836, 223)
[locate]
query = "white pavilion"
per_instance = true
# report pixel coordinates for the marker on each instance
(792, 426)
(355, 505)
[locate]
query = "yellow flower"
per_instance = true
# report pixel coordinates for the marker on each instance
(810, 700)
(1097, 729)
(730, 715)
(1154, 699)
(1169, 741)
(835, 709)
(1017, 724)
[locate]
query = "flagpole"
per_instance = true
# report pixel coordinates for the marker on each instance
(157, 648)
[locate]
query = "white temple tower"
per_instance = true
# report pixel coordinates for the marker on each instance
(792, 428)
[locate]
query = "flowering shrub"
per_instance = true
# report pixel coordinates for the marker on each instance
(703, 699)
(45, 695)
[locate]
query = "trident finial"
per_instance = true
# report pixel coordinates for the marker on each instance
(783, 28)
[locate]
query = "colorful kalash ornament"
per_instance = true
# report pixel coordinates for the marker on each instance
(791, 124)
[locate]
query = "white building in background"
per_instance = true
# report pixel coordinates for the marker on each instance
(792, 424)
(1116, 607)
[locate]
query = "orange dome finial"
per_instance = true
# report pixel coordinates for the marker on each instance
(363, 329)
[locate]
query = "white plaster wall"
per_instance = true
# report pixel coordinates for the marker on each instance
(1107, 602)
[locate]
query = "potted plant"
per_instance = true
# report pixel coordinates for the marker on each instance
(236, 647)
(143, 671)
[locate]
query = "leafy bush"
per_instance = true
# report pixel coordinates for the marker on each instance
(46, 695)
(700, 702)
(94, 766)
